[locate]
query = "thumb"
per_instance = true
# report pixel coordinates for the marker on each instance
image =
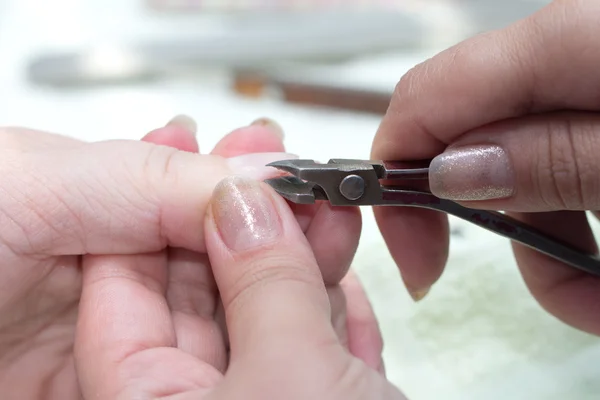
(271, 286)
(534, 164)
(113, 197)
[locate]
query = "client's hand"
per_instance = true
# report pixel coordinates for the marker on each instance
(147, 327)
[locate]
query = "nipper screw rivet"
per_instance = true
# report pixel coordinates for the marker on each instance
(352, 187)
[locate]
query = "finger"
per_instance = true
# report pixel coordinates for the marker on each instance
(25, 140)
(364, 336)
(263, 135)
(191, 290)
(334, 253)
(418, 241)
(570, 295)
(90, 199)
(337, 302)
(192, 297)
(192, 293)
(491, 77)
(541, 163)
(124, 326)
(179, 133)
(271, 286)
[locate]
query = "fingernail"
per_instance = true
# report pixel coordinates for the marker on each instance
(418, 295)
(244, 214)
(185, 122)
(472, 173)
(254, 165)
(270, 124)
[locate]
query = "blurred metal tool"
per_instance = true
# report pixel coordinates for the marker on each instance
(253, 41)
(358, 183)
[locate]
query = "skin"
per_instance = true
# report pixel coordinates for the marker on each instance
(531, 88)
(147, 200)
(509, 87)
(278, 312)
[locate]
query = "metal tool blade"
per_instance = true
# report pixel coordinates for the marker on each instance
(296, 190)
(294, 167)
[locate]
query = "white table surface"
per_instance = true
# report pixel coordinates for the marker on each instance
(478, 335)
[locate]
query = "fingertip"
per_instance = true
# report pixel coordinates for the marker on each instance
(334, 235)
(173, 136)
(184, 122)
(569, 294)
(270, 124)
(365, 340)
(418, 241)
(268, 278)
(257, 138)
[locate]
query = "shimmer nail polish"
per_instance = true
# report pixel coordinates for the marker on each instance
(472, 173)
(244, 214)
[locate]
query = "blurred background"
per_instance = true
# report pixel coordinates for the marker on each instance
(115, 69)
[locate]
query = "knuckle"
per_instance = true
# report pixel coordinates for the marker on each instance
(267, 270)
(159, 171)
(408, 82)
(160, 164)
(567, 178)
(412, 83)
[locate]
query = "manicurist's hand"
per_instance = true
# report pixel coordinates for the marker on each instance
(63, 199)
(146, 328)
(512, 121)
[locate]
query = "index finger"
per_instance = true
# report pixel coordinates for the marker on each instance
(494, 76)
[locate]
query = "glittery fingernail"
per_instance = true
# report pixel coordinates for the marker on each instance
(244, 214)
(472, 173)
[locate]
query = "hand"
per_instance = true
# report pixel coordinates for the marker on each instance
(130, 340)
(514, 114)
(62, 198)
